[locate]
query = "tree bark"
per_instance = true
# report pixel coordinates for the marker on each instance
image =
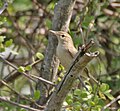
(61, 20)
(57, 98)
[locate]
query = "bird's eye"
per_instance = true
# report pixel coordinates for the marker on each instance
(62, 35)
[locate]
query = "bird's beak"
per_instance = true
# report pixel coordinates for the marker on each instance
(53, 32)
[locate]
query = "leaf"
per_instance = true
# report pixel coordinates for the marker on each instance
(118, 101)
(102, 96)
(48, 23)
(59, 79)
(28, 67)
(21, 5)
(69, 96)
(104, 87)
(77, 92)
(87, 21)
(2, 48)
(61, 67)
(102, 18)
(101, 102)
(8, 43)
(2, 39)
(39, 55)
(69, 99)
(118, 109)
(109, 96)
(21, 69)
(96, 99)
(77, 105)
(83, 95)
(91, 103)
(36, 94)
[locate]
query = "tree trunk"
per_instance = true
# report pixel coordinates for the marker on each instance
(61, 20)
(57, 98)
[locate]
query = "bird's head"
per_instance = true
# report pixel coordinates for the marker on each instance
(62, 36)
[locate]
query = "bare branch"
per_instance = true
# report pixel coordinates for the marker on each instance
(4, 7)
(17, 104)
(31, 77)
(109, 104)
(78, 65)
(22, 96)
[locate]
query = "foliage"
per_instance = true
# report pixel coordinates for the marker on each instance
(24, 29)
(93, 99)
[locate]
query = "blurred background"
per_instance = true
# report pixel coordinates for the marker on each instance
(24, 27)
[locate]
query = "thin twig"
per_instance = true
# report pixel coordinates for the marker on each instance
(109, 104)
(32, 77)
(43, 80)
(22, 96)
(4, 7)
(19, 105)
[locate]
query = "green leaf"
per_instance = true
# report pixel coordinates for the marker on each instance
(69, 96)
(104, 87)
(48, 23)
(39, 55)
(61, 68)
(77, 92)
(96, 99)
(91, 103)
(36, 94)
(2, 39)
(69, 101)
(21, 5)
(109, 96)
(119, 102)
(83, 94)
(59, 79)
(28, 67)
(118, 109)
(77, 105)
(102, 96)
(101, 102)
(87, 21)
(21, 69)
(102, 18)
(8, 43)
(2, 48)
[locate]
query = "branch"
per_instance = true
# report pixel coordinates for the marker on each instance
(31, 77)
(4, 7)
(109, 104)
(61, 20)
(17, 104)
(78, 65)
(21, 96)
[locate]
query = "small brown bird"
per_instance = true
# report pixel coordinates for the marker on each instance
(66, 50)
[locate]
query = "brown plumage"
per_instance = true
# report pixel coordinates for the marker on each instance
(65, 49)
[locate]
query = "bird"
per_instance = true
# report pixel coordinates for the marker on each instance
(65, 50)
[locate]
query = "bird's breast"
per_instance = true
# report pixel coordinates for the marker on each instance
(64, 56)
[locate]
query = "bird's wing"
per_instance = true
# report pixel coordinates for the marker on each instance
(72, 52)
